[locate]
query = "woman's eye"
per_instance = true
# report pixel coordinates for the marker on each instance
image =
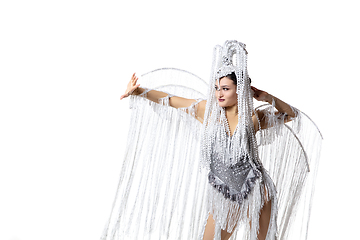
(225, 89)
(216, 88)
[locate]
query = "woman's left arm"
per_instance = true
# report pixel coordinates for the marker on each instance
(280, 105)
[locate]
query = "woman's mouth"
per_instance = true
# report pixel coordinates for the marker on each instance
(221, 100)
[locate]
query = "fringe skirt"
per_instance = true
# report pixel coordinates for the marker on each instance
(236, 196)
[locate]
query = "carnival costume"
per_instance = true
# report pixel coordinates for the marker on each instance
(177, 171)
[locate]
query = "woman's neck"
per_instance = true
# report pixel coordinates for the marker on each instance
(231, 110)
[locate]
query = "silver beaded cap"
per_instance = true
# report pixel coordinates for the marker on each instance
(229, 58)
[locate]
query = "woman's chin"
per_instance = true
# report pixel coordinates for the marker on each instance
(222, 104)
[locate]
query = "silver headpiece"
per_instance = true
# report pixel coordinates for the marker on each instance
(227, 59)
(230, 50)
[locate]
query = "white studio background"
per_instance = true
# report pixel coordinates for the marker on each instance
(64, 64)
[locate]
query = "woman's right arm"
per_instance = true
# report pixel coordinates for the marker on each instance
(155, 96)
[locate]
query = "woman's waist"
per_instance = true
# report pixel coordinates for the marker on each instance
(233, 175)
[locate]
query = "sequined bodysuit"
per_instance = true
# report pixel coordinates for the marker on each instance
(234, 181)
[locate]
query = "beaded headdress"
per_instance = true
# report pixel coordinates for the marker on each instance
(230, 50)
(227, 59)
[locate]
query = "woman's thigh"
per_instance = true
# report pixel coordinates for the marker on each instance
(264, 220)
(210, 230)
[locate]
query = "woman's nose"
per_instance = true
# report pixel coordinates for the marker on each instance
(220, 93)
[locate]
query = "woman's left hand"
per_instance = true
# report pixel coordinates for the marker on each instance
(261, 95)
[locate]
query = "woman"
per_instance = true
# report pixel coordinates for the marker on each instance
(241, 190)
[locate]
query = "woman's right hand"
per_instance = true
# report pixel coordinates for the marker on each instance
(131, 87)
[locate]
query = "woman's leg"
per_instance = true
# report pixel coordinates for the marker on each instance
(225, 235)
(209, 228)
(264, 220)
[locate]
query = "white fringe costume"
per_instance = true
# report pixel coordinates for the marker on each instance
(177, 171)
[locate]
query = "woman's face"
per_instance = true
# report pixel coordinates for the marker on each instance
(226, 92)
